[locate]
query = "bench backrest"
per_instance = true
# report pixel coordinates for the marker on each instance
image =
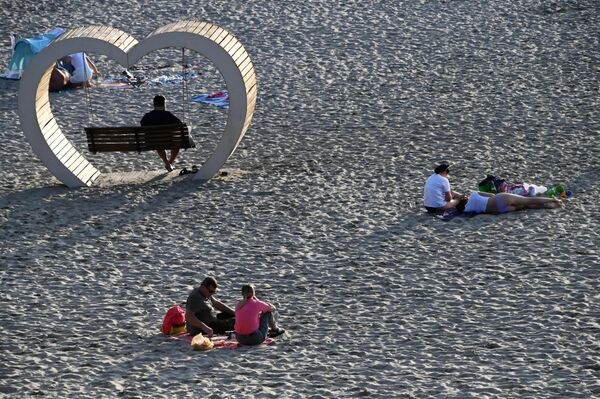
(138, 138)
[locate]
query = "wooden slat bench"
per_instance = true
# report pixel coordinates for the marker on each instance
(138, 138)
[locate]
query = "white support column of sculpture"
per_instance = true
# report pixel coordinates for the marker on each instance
(219, 46)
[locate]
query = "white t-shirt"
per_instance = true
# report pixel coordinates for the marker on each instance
(82, 72)
(435, 187)
(477, 203)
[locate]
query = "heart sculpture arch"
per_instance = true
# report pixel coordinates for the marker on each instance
(59, 155)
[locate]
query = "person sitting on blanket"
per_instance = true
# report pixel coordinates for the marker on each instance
(481, 202)
(160, 116)
(201, 311)
(437, 193)
(254, 318)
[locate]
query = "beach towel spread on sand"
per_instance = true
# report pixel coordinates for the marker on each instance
(450, 214)
(128, 81)
(174, 78)
(219, 99)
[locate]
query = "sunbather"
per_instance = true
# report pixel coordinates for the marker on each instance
(80, 67)
(480, 202)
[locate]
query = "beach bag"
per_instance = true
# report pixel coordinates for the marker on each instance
(174, 321)
(493, 184)
(487, 185)
(201, 343)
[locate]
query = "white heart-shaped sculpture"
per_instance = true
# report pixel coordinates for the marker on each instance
(215, 43)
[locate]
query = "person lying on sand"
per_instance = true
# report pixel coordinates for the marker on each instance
(72, 71)
(254, 318)
(80, 67)
(480, 202)
(437, 193)
(59, 79)
(201, 311)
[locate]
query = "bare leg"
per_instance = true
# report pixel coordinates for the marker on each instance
(163, 155)
(174, 153)
(505, 202)
(451, 204)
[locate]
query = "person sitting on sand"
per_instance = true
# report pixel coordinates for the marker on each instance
(201, 311)
(481, 202)
(254, 318)
(437, 193)
(160, 116)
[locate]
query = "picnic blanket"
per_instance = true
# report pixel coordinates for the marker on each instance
(174, 78)
(216, 342)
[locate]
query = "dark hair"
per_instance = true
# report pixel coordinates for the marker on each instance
(209, 282)
(159, 101)
(441, 168)
(247, 289)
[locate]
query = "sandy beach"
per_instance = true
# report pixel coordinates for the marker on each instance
(319, 207)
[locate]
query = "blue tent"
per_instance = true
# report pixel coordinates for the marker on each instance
(24, 49)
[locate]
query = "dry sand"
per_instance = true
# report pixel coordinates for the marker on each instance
(358, 101)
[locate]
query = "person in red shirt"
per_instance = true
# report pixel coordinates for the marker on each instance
(254, 319)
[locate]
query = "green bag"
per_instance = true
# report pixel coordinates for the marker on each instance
(487, 185)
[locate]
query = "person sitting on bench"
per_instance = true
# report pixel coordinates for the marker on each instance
(160, 116)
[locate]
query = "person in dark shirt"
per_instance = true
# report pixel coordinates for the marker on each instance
(201, 308)
(160, 116)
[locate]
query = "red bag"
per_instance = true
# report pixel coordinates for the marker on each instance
(174, 321)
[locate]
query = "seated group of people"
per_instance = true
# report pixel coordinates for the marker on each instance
(252, 320)
(73, 70)
(439, 197)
